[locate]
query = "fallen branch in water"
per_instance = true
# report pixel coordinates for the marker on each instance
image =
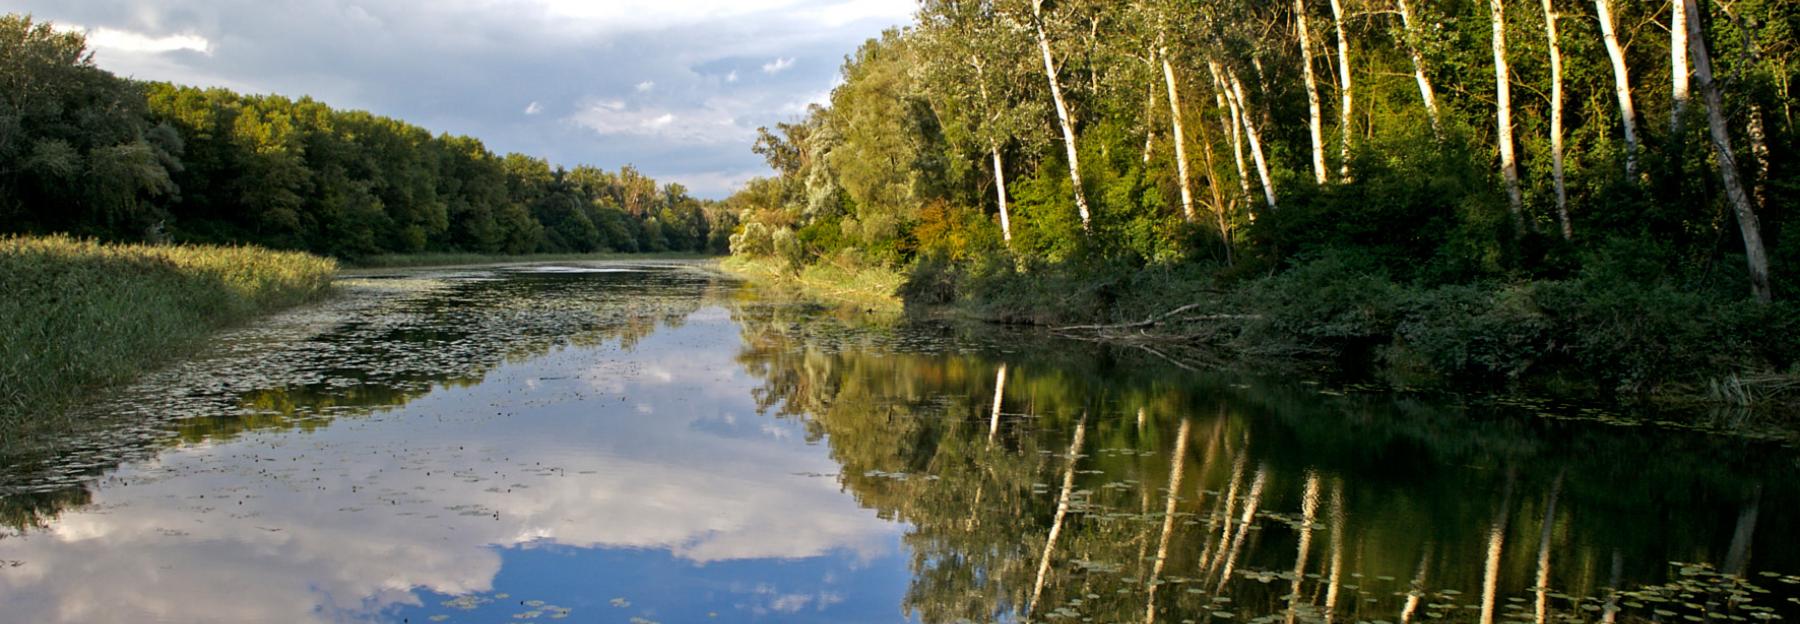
(1160, 318)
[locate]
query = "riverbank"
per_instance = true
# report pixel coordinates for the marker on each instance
(1583, 337)
(80, 314)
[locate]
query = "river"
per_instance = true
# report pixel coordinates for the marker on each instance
(656, 442)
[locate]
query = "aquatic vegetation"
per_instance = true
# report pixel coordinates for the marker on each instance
(79, 314)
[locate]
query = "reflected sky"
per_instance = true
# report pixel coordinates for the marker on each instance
(643, 474)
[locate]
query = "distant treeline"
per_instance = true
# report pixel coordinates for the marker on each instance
(86, 152)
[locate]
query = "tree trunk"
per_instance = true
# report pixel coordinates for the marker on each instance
(1062, 114)
(1678, 66)
(1556, 121)
(1418, 62)
(1236, 96)
(1228, 120)
(1000, 192)
(994, 145)
(1181, 162)
(1509, 167)
(1313, 124)
(1759, 150)
(1751, 229)
(1348, 108)
(1621, 86)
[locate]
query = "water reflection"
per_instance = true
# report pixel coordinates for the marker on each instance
(655, 442)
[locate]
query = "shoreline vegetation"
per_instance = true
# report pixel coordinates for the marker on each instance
(424, 260)
(1434, 195)
(80, 314)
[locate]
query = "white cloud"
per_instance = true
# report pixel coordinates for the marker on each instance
(646, 86)
(777, 66)
(128, 41)
(534, 108)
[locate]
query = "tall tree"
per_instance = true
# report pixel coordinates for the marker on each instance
(1314, 125)
(1411, 37)
(1621, 84)
(1063, 117)
(1755, 255)
(1678, 65)
(1346, 111)
(1509, 168)
(1556, 120)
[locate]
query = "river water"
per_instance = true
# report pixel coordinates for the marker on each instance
(654, 442)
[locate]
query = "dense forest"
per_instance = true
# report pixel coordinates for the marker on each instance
(1491, 186)
(85, 152)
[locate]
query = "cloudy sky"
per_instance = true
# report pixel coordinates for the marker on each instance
(674, 87)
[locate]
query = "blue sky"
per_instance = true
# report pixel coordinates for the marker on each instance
(674, 87)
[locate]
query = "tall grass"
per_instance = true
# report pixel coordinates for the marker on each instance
(77, 314)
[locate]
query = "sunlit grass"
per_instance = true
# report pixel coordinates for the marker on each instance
(79, 314)
(878, 287)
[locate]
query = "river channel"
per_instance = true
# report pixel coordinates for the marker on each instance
(657, 442)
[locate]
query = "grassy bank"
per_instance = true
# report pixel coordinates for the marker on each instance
(862, 286)
(394, 261)
(79, 314)
(1586, 335)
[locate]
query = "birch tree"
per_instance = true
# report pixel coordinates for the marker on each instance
(1509, 168)
(1313, 123)
(1346, 110)
(1179, 137)
(1678, 65)
(1754, 254)
(1621, 85)
(1410, 36)
(1063, 118)
(1556, 120)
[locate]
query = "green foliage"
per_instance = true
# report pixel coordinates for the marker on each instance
(80, 314)
(107, 157)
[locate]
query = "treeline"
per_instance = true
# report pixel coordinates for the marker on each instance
(85, 152)
(1439, 143)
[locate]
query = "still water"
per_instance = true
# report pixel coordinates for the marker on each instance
(653, 442)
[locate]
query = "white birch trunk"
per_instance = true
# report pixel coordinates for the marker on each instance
(1509, 167)
(1062, 114)
(1556, 121)
(1418, 62)
(1228, 119)
(1754, 254)
(1313, 123)
(1256, 152)
(1621, 86)
(1678, 65)
(1181, 162)
(1000, 192)
(1347, 111)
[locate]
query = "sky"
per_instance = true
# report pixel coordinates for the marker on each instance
(675, 88)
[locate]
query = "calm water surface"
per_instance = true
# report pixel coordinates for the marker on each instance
(650, 442)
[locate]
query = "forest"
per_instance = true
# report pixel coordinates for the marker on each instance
(1474, 188)
(88, 153)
